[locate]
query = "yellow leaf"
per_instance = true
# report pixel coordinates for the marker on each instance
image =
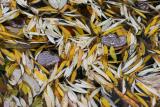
(9, 54)
(61, 66)
(104, 61)
(112, 30)
(1, 56)
(73, 76)
(140, 85)
(2, 28)
(95, 28)
(13, 4)
(157, 51)
(141, 100)
(9, 35)
(125, 57)
(131, 95)
(24, 88)
(46, 9)
(60, 91)
(151, 24)
(72, 52)
(110, 11)
(108, 14)
(141, 14)
(42, 68)
(92, 50)
(129, 38)
(80, 54)
(155, 19)
(121, 32)
(68, 63)
(96, 97)
(105, 102)
(1, 62)
(112, 53)
(10, 68)
(147, 58)
(41, 76)
(147, 29)
(141, 49)
(67, 18)
(65, 32)
(80, 31)
(105, 49)
(17, 55)
(153, 31)
(112, 77)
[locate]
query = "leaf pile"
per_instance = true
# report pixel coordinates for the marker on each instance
(80, 53)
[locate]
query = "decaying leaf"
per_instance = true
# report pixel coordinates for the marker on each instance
(79, 53)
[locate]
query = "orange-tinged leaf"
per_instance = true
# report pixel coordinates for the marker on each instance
(80, 54)
(66, 33)
(72, 52)
(121, 32)
(73, 76)
(60, 91)
(41, 76)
